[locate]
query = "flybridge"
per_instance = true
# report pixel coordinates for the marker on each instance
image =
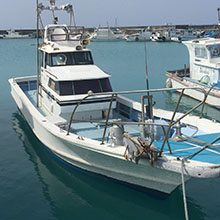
(52, 7)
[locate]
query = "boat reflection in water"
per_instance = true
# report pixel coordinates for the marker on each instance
(73, 194)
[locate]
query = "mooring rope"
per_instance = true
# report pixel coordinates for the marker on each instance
(184, 191)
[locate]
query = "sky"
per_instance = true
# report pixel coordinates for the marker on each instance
(21, 14)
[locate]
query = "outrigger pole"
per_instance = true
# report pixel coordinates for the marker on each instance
(149, 98)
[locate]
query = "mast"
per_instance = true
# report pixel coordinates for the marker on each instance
(38, 56)
(52, 7)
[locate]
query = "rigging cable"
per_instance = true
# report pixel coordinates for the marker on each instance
(184, 191)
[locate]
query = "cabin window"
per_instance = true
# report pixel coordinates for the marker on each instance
(70, 58)
(41, 58)
(48, 59)
(53, 85)
(58, 37)
(82, 58)
(83, 86)
(200, 52)
(215, 51)
(105, 85)
(66, 88)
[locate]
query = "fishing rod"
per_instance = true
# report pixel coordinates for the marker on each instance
(149, 97)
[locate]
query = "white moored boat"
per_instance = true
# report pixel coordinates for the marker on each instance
(107, 34)
(204, 71)
(12, 34)
(183, 35)
(143, 35)
(71, 108)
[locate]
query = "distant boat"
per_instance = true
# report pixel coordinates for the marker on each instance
(107, 34)
(144, 34)
(204, 71)
(157, 37)
(180, 35)
(12, 34)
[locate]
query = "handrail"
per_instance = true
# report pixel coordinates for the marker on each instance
(74, 110)
(107, 118)
(187, 113)
(114, 94)
(120, 122)
(207, 93)
(145, 91)
(171, 121)
(183, 116)
(202, 149)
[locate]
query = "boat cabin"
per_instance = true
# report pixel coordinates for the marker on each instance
(68, 72)
(204, 60)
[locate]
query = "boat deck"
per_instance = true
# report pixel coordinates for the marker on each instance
(186, 148)
(95, 130)
(179, 149)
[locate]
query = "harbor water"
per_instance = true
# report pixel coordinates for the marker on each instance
(33, 185)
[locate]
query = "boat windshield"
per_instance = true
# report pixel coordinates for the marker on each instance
(70, 58)
(80, 87)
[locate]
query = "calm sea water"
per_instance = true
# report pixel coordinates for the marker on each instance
(33, 185)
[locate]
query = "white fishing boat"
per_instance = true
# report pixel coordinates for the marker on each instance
(72, 110)
(12, 34)
(107, 34)
(203, 72)
(180, 35)
(143, 35)
(157, 37)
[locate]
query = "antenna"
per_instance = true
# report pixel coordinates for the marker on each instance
(218, 16)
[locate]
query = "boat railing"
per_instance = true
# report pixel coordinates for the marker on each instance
(63, 33)
(168, 126)
(185, 72)
(207, 93)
